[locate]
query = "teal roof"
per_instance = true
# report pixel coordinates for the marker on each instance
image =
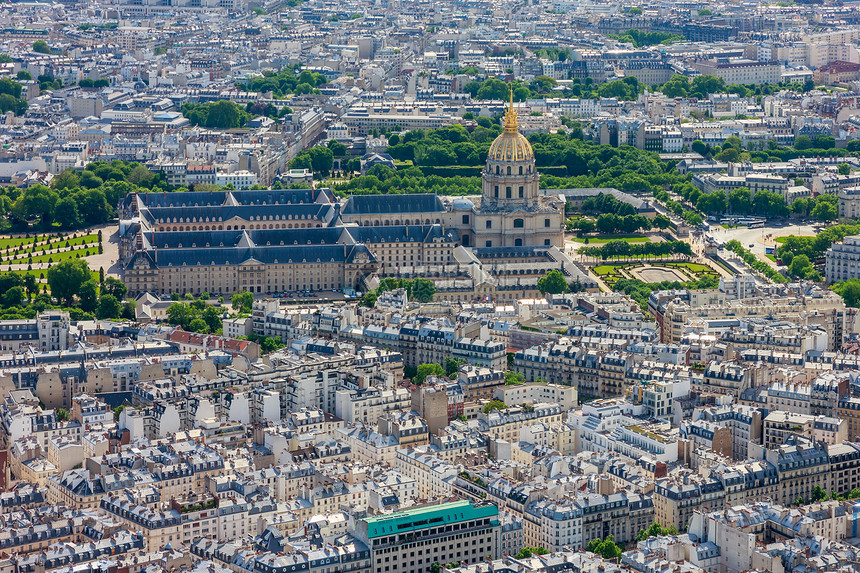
(430, 516)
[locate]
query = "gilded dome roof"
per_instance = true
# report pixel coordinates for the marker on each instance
(511, 145)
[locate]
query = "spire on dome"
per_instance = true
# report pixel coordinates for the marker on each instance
(511, 125)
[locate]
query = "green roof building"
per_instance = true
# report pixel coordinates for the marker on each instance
(410, 541)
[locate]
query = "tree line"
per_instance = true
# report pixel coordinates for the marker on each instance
(289, 80)
(73, 288)
(639, 290)
(623, 249)
(755, 263)
(77, 199)
(418, 289)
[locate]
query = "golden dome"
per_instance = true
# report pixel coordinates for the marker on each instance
(511, 145)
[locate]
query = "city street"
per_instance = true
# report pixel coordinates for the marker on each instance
(756, 240)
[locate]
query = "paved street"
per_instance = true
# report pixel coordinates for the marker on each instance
(757, 239)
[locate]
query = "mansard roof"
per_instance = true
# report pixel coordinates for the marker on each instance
(401, 234)
(393, 204)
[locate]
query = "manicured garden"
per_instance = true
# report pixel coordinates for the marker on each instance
(611, 273)
(48, 249)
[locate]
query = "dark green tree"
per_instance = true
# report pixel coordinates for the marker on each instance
(553, 282)
(66, 279)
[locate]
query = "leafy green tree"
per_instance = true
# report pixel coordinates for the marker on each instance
(423, 290)
(140, 175)
(655, 530)
(212, 316)
(553, 282)
(66, 279)
(114, 287)
(425, 370)
(198, 325)
(93, 206)
(707, 84)
(66, 213)
(849, 291)
(109, 307)
(13, 297)
(844, 169)
(452, 366)
(605, 547)
(802, 142)
(512, 378)
(740, 201)
(180, 314)
(677, 86)
(23, 75)
(88, 295)
(527, 552)
(41, 46)
(338, 148)
(36, 201)
(222, 114)
(242, 301)
(493, 405)
(62, 415)
(825, 212)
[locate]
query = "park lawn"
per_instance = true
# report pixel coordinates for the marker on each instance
(15, 242)
(54, 244)
(785, 238)
(40, 274)
(693, 267)
(771, 257)
(56, 257)
(603, 270)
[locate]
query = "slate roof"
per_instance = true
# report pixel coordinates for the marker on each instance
(218, 198)
(224, 213)
(265, 255)
(401, 234)
(393, 204)
(275, 237)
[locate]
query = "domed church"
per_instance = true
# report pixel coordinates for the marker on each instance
(511, 211)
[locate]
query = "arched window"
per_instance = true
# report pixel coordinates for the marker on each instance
(509, 169)
(521, 169)
(518, 243)
(518, 224)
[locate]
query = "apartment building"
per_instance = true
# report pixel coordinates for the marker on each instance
(842, 260)
(410, 541)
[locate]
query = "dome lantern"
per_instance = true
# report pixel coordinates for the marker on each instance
(510, 145)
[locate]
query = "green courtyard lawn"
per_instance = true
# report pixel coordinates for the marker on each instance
(56, 256)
